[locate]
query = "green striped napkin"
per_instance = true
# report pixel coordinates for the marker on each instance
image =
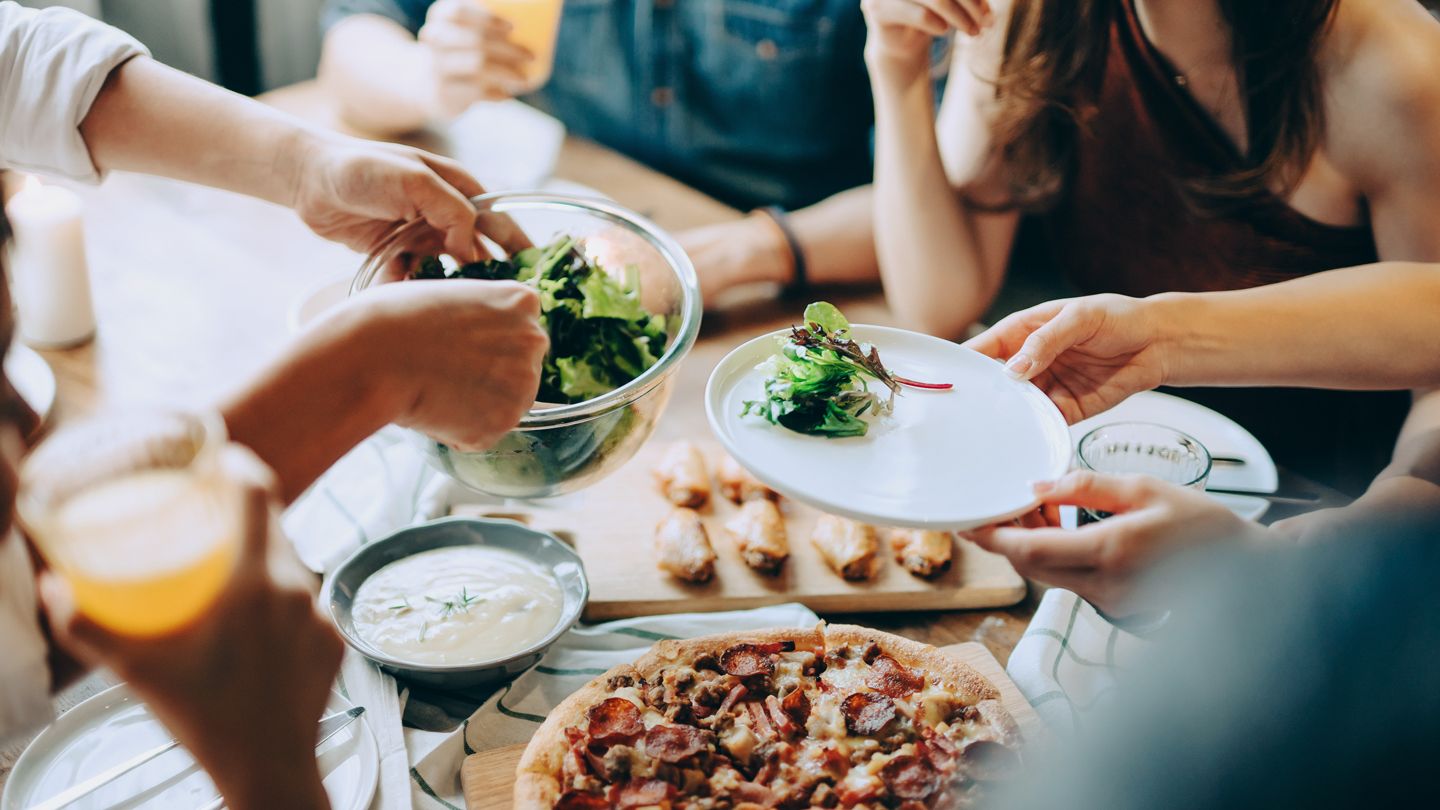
(1067, 662)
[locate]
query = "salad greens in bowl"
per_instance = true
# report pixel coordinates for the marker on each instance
(621, 303)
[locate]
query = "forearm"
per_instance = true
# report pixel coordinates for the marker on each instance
(928, 243)
(377, 73)
(153, 119)
(311, 407)
(1369, 327)
(837, 236)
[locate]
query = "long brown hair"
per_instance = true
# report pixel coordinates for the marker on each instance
(1054, 61)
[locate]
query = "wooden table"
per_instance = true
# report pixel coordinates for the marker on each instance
(193, 289)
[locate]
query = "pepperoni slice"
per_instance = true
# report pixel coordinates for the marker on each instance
(748, 660)
(867, 713)
(893, 678)
(797, 706)
(645, 793)
(578, 800)
(989, 761)
(675, 743)
(614, 720)
(910, 777)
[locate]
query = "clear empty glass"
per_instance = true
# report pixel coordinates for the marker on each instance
(1145, 449)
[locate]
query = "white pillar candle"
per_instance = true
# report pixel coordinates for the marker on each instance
(48, 271)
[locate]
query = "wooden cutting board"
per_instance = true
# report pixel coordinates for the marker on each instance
(489, 776)
(612, 525)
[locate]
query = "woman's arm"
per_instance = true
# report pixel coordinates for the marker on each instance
(836, 237)
(389, 82)
(941, 261)
(378, 74)
(153, 119)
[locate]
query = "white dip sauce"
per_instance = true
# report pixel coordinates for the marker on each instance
(457, 605)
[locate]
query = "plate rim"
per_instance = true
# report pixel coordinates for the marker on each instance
(121, 692)
(1062, 460)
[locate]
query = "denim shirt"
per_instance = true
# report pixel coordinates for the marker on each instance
(756, 102)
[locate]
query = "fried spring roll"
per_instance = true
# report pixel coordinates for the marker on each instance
(737, 484)
(759, 533)
(922, 553)
(682, 547)
(681, 475)
(851, 548)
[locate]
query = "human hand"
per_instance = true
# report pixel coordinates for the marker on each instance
(353, 191)
(1103, 562)
(740, 252)
(461, 359)
(901, 31)
(243, 687)
(1087, 354)
(472, 56)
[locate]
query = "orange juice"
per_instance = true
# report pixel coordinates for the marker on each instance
(147, 552)
(536, 24)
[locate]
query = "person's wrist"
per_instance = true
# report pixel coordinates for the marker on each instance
(292, 782)
(297, 153)
(362, 343)
(1172, 321)
(774, 259)
(892, 73)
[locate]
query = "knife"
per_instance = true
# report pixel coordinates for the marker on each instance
(329, 727)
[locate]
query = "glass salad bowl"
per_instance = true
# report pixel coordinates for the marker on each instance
(559, 448)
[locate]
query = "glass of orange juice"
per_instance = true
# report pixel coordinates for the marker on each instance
(136, 514)
(536, 22)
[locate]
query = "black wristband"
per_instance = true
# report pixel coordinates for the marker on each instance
(799, 281)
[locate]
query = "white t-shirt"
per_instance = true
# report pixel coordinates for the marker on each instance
(53, 63)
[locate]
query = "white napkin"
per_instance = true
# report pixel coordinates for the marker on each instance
(1067, 662)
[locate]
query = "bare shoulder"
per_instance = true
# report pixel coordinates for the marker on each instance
(1381, 63)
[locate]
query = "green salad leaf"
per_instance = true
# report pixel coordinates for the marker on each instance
(817, 381)
(601, 336)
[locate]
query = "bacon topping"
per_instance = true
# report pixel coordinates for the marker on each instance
(675, 743)
(938, 749)
(989, 761)
(577, 800)
(645, 793)
(797, 706)
(729, 703)
(910, 777)
(759, 722)
(614, 720)
(755, 794)
(748, 660)
(782, 721)
(867, 713)
(892, 678)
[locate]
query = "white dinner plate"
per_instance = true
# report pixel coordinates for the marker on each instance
(947, 460)
(1220, 434)
(114, 726)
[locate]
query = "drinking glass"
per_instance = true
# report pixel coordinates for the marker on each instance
(136, 514)
(1144, 448)
(536, 23)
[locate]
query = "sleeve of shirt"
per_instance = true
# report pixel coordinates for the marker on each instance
(24, 675)
(53, 63)
(409, 13)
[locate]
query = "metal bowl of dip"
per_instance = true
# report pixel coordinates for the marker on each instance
(443, 611)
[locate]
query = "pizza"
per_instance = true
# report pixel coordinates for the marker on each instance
(836, 716)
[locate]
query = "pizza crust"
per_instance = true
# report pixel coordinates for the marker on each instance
(536, 784)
